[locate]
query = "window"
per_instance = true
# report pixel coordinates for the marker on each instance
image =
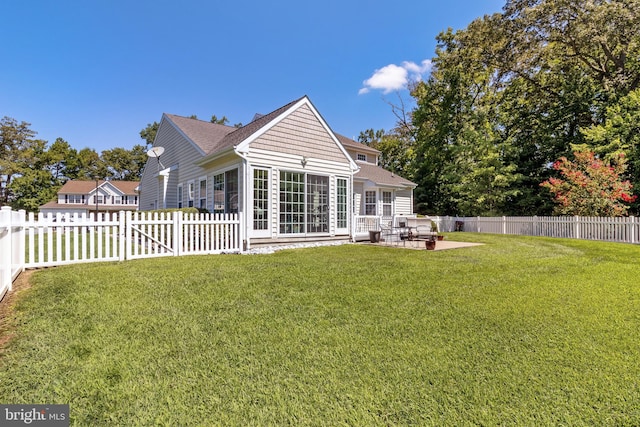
(190, 195)
(362, 157)
(75, 198)
(225, 192)
(317, 204)
(117, 200)
(231, 190)
(98, 199)
(370, 203)
(218, 193)
(260, 199)
(386, 203)
(203, 193)
(291, 202)
(179, 196)
(304, 203)
(341, 203)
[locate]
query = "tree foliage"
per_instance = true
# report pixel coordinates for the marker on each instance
(31, 171)
(590, 186)
(514, 91)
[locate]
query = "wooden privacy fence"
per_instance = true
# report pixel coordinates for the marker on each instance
(32, 241)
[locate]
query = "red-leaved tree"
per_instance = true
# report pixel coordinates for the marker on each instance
(589, 186)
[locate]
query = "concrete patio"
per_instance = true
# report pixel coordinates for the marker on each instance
(420, 244)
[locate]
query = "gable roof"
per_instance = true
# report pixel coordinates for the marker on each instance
(350, 144)
(213, 137)
(205, 135)
(382, 177)
(85, 187)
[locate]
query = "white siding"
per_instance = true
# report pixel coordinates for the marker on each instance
(180, 155)
(404, 202)
(301, 133)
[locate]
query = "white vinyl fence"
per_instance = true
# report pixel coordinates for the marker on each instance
(611, 229)
(32, 241)
(614, 229)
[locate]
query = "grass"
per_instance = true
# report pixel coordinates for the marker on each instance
(520, 331)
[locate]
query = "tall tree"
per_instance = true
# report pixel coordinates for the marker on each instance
(149, 133)
(535, 76)
(18, 151)
(125, 165)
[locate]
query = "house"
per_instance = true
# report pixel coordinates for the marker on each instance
(287, 172)
(83, 197)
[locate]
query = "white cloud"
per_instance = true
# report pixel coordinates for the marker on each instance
(395, 77)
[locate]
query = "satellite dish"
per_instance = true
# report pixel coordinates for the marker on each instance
(155, 152)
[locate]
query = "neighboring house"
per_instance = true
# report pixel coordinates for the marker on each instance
(82, 197)
(287, 171)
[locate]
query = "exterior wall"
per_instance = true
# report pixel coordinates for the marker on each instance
(300, 133)
(402, 199)
(180, 156)
(358, 198)
(403, 202)
(370, 158)
(277, 162)
(222, 165)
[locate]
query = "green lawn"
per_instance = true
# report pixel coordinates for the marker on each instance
(520, 331)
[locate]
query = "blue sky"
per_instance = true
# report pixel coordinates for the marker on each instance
(96, 72)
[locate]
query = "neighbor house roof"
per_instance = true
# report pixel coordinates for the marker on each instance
(86, 187)
(381, 177)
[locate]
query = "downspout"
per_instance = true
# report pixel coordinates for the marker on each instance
(244, 225)
(352, 221)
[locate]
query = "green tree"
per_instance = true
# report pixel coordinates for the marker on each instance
(524, 85)
(589, 186)
(61, 160)
(125, 165)
(149, 133)
(18, 152)
(220, 121)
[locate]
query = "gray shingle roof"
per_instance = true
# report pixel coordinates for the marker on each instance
(213, 137)
(349, 143)
(381, 176)
(205, 135)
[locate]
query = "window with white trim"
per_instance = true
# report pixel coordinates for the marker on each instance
(260, 199)
(317, 204)
(341, 203)
(304, 203)
(225, 192)
(291, 202)
(362, 157)
(203, 193)
(179, 196)
(387, 207)
(190, 193)
(74, 198)
(370, 203)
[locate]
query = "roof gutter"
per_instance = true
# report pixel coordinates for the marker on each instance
(212, 157)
